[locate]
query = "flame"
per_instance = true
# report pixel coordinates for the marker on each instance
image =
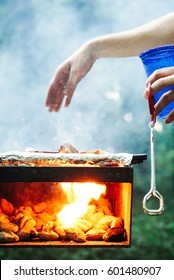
(79, 195)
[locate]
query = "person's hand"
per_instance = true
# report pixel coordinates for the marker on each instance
(67, 76)
(160, 79)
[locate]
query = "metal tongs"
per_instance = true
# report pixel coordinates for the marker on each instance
(152, 192)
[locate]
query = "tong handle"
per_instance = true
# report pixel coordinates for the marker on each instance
(153, 193)
(153, 212)
(151, 104)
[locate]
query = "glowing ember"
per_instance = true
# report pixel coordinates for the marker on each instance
(78, 198)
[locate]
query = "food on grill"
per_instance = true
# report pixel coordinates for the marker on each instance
(67, 148)
(67, 155)
(37, 222)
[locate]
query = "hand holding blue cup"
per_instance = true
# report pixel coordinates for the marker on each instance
(158, 58)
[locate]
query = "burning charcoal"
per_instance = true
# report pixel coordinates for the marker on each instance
(21, 215)
(4, 218)
(26, 210)
(16, 216)
(40, 207)
(44, 221)
(60, 231)
(6, 207)
(107, 219)
(114, 235)
(84, 224)
(21, 223)
(106, 210)
(48, 235)
(67, 148)
(39, 224)
(101, 226)
(103, 202)
(48, 226)
(117, 222)
(75, 234)
(25, 234)
(95, 217)
(102, 205)
(8, 236)
(91, 210)
(45, 217)
(95, 234)
(8, 227)
(30, 224)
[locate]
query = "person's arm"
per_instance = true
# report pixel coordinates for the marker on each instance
(123, 44)
(133, 42)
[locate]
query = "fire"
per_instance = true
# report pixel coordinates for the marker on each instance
(78, 199)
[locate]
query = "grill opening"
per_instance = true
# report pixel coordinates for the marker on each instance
(33, 197)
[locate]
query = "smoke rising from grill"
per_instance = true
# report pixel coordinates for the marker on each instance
(108, 110)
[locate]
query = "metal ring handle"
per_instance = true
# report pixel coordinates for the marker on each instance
(153, 212)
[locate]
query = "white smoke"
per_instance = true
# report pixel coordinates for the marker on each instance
(36, 37)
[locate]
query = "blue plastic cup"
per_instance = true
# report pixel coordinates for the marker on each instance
(154, 59)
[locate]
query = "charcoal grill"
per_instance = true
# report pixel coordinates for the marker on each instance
(119, 188)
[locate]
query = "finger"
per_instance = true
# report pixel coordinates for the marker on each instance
(157, 74)
(159, 85)
(55, 97)
(147, 91)
(160, 73)
(170, 117)
(165, 99)
(145, 94)
(70, 87)
(68, 93)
